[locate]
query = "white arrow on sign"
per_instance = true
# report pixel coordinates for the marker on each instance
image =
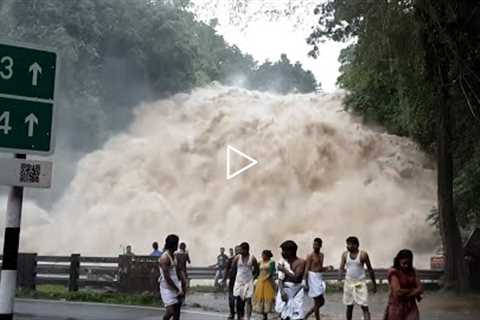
(31, 120)
(35, 69)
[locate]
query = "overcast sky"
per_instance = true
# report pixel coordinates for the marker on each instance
(267, 38)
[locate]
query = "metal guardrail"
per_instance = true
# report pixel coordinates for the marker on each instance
(76, 271)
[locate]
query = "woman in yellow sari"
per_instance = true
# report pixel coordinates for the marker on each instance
(264, 296)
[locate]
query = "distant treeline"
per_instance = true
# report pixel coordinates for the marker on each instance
(118, 53)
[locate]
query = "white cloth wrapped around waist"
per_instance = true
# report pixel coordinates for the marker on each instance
(168, 294)
(316, 285)
(293, 307)
(355, 291)
(243, 290)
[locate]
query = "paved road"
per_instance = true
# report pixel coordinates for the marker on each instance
(26, 309)
(435, 306)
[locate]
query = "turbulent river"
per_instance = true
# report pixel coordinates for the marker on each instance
(321, 173)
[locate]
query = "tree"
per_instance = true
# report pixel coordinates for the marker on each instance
(114, 55)
(413, 67)
(444, 54)
(282, 77)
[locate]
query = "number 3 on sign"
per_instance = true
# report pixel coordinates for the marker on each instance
(6, 63)
(5, 122)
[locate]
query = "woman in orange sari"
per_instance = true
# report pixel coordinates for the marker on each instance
(264, 296)
(405, 289)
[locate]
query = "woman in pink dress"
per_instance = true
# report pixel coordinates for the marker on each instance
(405, 289)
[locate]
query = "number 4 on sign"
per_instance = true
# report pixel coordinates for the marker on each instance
(5, 122)
(31, 120)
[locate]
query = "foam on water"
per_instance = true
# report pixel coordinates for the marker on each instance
(320, 173)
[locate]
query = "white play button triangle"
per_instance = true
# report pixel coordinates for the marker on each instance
(251, 163)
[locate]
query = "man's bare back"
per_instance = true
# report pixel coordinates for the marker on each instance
(298, 268)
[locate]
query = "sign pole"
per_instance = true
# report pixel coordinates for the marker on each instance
(8, 279)
(27, 91)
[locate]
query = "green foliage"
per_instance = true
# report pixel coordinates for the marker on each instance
(115, 54)
(283, 77)
(56, 292)
(384, 69)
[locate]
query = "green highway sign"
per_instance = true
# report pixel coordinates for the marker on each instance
(27, 88)
(25, 125)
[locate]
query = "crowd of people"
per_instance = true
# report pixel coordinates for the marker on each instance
(267, 287)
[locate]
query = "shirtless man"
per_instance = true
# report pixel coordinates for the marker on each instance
(290, 297)
(313, 280)
(183, 258)
(172, 281)
(355, 287)
(222, 259)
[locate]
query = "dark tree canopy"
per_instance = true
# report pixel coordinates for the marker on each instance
(414, 67)
(283, 77)
(384, 71)
(116, 54)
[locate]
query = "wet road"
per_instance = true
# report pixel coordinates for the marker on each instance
(57, 310)
(434, 306)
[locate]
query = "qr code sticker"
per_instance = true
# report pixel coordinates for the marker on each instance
(29, 173)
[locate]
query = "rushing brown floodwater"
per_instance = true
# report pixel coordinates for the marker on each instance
(320, 173)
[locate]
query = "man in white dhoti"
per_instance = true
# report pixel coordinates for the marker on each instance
(247, 270)
(313, 279)
(290, 296)
(355, 289)
(172, 281)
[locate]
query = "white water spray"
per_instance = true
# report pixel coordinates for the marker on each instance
(320, 173)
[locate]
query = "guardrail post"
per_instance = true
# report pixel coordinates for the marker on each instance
(27, 270)
(123, 273)
(74, 272)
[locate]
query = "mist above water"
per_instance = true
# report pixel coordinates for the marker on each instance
(320, 173)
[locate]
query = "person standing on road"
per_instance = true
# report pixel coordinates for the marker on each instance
(230, 274)
(183, 258)
(155, 252)
(128, 251)
(172, 282)
(313, 279)
(405, 289)
(355, 288)
(289, 302)
(220, 268)
(154, 271)
(247, 271)
(264, 296)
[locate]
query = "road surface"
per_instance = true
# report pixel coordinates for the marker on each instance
(435, 306)
(26, 309)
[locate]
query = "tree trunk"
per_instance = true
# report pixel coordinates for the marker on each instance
(432, 18)
(455, 277)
